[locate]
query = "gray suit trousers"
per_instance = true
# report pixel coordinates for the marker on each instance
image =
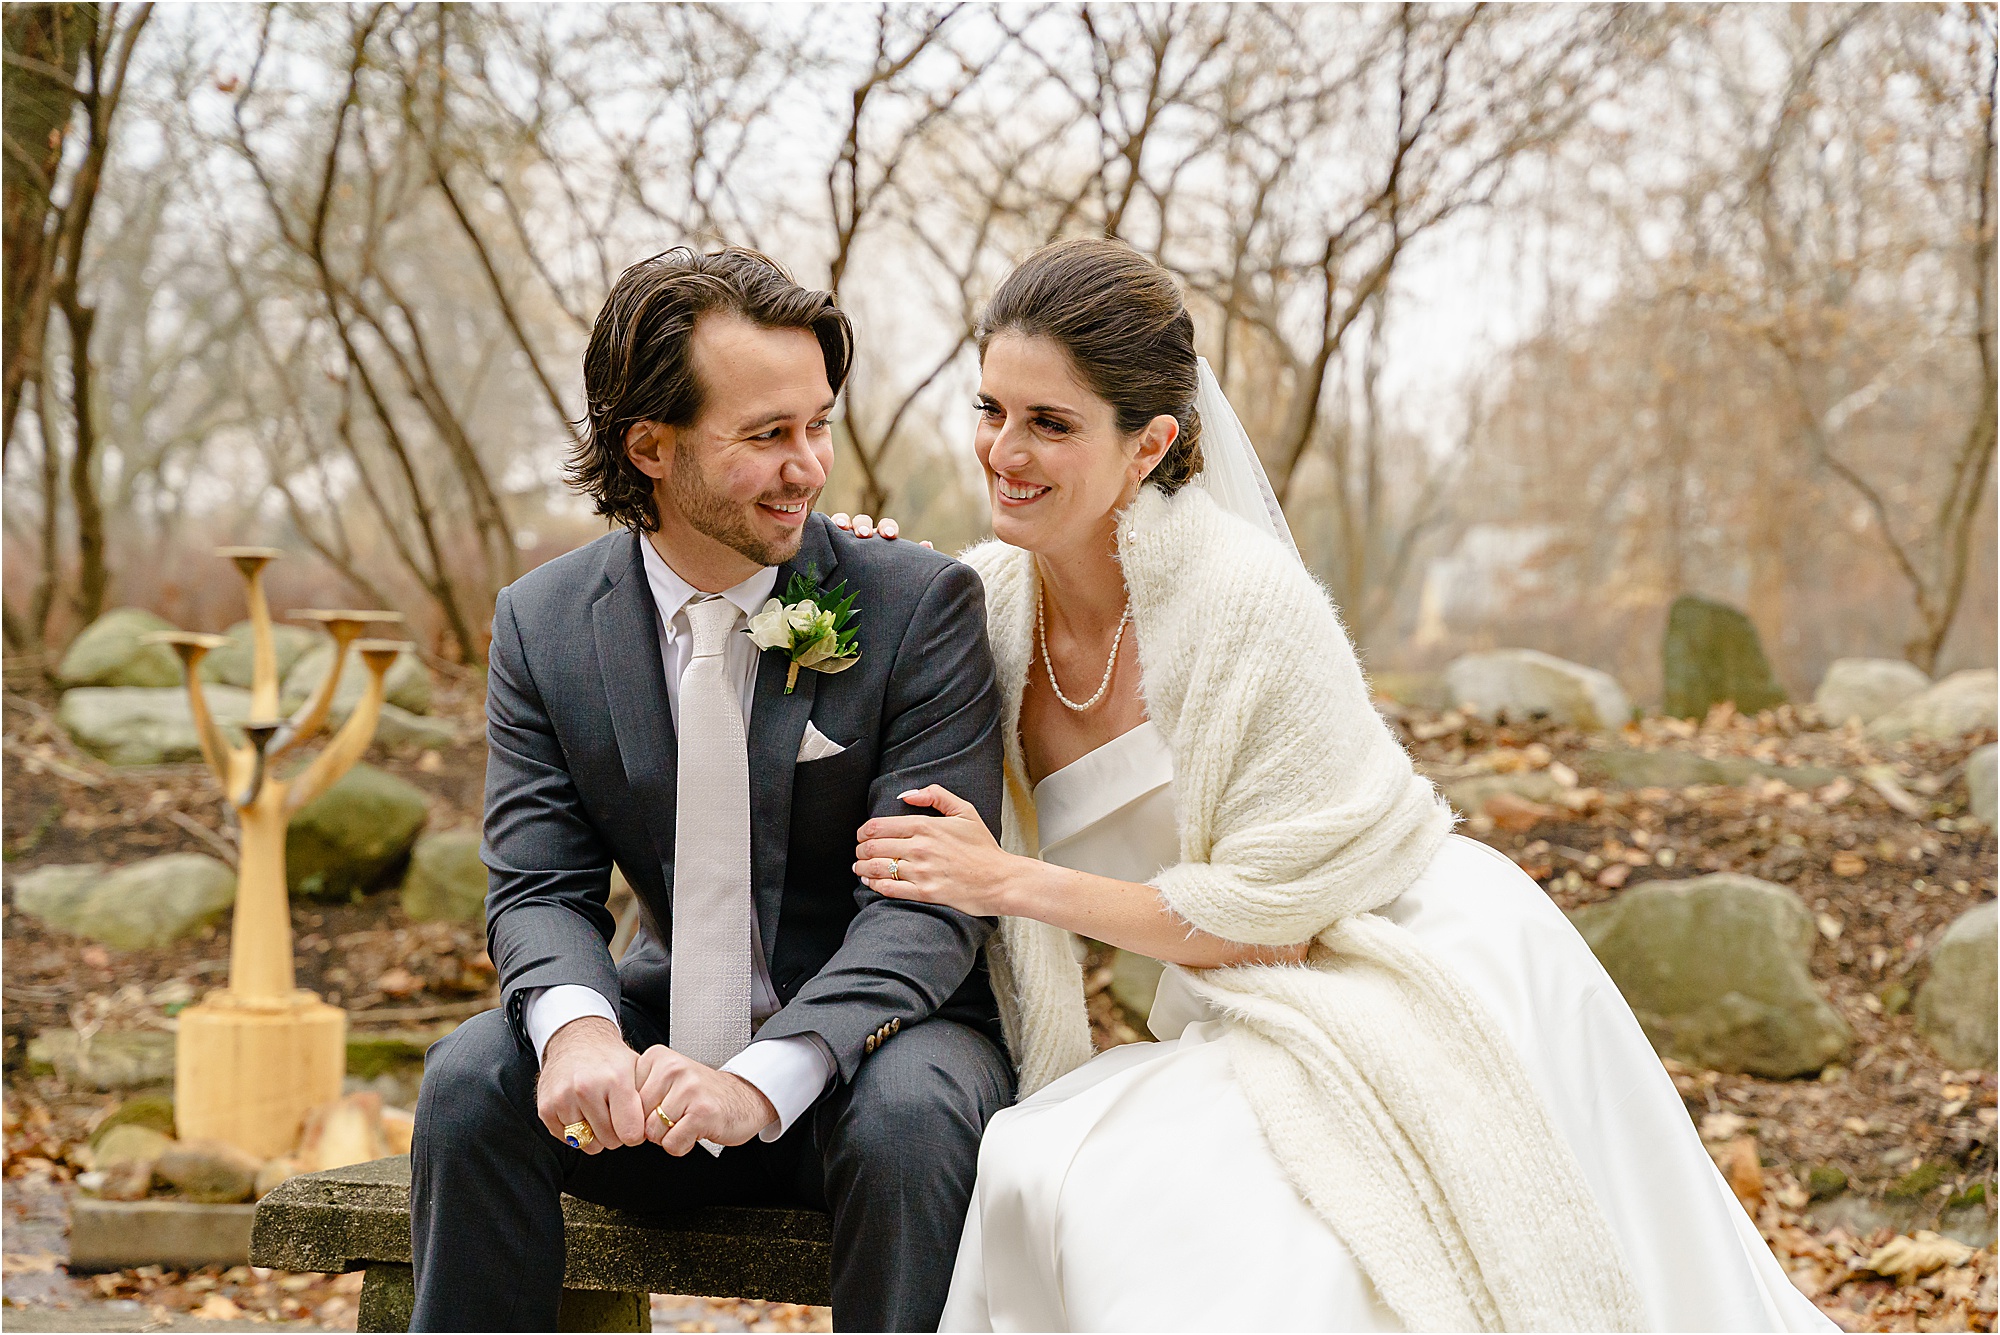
(890, 1154)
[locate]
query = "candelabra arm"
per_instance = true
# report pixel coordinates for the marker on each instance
(250, 563)
(354, 736)
(192, 647)
(345, 628)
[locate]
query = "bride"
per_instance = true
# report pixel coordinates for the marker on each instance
(1392, 1087)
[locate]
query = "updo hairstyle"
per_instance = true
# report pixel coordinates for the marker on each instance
(1122, 322)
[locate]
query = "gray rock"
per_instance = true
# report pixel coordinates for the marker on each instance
(1961, 703)
(1469, 797)
(231, 665)
(1421, 690)
(155, 1112)
(350, 838)
(1715, 968)
(208, 1172)
(122, 1161)
(1980, 781)
(135, 725)
(148, 903)
(49, 893)
(129, 1143)
(446, 881)
(111, 1059)
(1866, 688)
(109, 652)
(408, 685)
(1712, 654)
(1958, 1004)
(1525, 683)
(400, 730)
(1630, 767)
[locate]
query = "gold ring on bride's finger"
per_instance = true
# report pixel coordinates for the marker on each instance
(895, 869)
(661, 1113)
(577, 1134)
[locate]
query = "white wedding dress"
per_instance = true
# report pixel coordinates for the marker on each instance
(1137, 1192)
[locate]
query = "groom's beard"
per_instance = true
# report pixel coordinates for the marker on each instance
(713, 515)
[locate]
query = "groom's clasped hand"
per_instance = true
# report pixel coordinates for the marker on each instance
(589, 1075)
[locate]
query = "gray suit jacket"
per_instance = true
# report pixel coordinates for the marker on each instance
(581, 775)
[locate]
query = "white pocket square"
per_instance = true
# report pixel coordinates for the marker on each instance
(816, 745)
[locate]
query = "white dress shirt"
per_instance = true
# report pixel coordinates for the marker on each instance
(790, 1072)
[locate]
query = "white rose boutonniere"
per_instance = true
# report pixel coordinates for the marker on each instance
(812, 625)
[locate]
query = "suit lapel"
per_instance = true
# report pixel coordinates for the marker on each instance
(777, 725)
(635, 686)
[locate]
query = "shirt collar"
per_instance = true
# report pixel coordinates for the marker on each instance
(671, 593)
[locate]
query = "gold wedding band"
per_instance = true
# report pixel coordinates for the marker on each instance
(577, 1134)
(895, 869)
(661, 1113)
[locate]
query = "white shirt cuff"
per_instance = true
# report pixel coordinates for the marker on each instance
(548, 1009)
(791, 1072)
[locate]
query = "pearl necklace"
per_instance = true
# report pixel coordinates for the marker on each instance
(1110, 666)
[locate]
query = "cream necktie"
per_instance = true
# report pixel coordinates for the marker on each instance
(710, 1019)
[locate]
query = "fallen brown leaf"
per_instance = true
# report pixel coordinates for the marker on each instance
(1907, 1258)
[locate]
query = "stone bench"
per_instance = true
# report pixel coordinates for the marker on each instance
(358, 1218)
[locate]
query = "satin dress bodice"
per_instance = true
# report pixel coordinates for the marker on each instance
(1111, 813)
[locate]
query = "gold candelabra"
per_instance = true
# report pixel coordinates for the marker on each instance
(252, 1058)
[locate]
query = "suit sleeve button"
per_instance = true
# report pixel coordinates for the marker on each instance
(869, 1044)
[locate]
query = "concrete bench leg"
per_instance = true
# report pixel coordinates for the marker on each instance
(389, 1292)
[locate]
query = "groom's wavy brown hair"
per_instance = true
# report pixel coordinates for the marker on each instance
(639, 366)
(1121, 320)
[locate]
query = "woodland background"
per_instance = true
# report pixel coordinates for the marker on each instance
(1539, 316)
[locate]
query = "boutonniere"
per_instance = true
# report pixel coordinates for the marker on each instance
(811, 624)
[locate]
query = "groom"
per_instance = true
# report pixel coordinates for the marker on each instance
(776, 1034)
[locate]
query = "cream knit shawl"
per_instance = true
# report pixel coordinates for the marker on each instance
(1395, 1104)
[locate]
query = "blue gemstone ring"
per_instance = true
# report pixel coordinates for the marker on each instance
(577, 1134)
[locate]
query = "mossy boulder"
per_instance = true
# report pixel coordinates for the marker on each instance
(107, 1059)
(446, 881)
(1521, 684)
(1712, 654)
(111, 652)
(145, 725)
(1866, 688)
(152, 1111)
(232, 664)
(1961, 703)
(407, 686)
(1958, 1003)
(354, 836)
(1715, 969)
(148, 903)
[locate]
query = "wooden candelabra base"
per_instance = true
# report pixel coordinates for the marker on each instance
(247, 1072)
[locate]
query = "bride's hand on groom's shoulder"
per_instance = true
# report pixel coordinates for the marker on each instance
(687, 1102)
(861, 526)
(950, 858)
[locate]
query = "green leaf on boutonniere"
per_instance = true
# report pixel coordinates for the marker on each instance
(812, 625)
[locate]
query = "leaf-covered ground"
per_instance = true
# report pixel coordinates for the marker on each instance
(1877, 851)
